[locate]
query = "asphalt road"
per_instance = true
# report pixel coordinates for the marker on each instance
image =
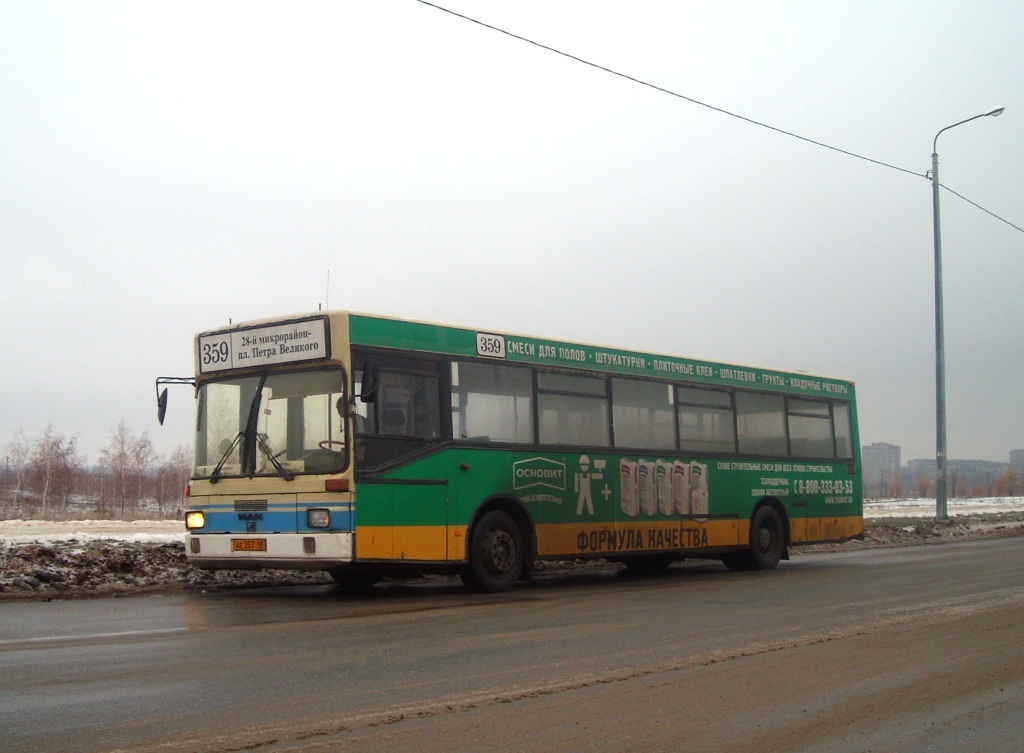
(903, 649)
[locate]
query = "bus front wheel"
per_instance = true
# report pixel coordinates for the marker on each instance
(496, 553)
(767, 542)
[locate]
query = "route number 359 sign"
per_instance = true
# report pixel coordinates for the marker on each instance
(303, 340)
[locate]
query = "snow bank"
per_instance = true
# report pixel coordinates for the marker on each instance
(48, 531)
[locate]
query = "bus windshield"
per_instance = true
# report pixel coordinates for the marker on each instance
(279, 424)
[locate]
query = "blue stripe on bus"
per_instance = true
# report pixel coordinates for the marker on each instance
(276, 521)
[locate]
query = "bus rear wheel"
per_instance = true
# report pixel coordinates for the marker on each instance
(767, 542)
(496, 553)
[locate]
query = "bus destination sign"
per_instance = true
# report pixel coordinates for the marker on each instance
(265, 345)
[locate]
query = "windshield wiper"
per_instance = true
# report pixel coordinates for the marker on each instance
(223, 458)
(248, 447)
(265, 446)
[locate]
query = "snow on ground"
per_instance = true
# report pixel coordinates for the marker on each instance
(170, 531)
(48, 531)
(925, 508)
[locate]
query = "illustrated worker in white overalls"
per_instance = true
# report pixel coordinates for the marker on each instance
(581, 485)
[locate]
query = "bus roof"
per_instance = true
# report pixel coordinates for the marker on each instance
(443, 339)
(371, 330)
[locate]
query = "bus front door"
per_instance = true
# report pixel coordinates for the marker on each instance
(402, 520)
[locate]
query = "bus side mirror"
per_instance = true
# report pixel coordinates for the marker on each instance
(371, 382)
(161, 406)
(161, 397)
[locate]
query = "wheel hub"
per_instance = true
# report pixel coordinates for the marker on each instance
(502, 551)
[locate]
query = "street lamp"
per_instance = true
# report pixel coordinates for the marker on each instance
(940, 356)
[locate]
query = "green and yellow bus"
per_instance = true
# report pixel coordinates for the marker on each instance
(369, 446)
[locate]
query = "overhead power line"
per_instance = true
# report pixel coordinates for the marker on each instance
(720, 110)
(979, 206)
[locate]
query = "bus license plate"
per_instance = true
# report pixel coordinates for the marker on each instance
(248, 545)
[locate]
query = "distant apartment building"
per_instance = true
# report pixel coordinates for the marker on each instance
(1017, 459)
(881, 468)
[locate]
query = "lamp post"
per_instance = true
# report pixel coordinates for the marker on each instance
(940, 355)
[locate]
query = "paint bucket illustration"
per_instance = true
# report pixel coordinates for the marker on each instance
(666, 500)
(629, 487)
(698, 488)
(681, 487)
(648, 487)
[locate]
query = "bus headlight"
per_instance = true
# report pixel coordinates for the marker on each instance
(318, 518)
(195, 519)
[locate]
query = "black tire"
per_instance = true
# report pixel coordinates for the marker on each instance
(496, 553)
(767, 542)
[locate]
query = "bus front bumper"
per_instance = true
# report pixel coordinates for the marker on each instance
(283, 551)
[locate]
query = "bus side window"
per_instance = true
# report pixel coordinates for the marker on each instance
(492, 403)
(761, 424)
(810, 428)
(843, 430)
(706, 420)
(572, 409)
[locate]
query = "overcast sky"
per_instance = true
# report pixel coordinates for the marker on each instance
(168, 167)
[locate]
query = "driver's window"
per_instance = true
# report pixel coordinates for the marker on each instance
(406, 405)
(409, 406)
(403, 415)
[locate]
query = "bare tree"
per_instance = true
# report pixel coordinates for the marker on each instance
(894, 487)
(957, 483)
(171, 479)
(70, 463)
(127, 457)
(116, 458)
(141, 456)
(42, 475)
(18, 452)
(1010, 483)
(181, 465)
(54, 461)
